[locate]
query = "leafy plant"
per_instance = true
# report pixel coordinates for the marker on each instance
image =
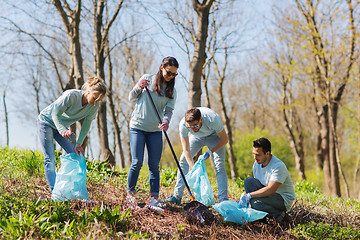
(324, 231)
(306, 187)
(168, 176)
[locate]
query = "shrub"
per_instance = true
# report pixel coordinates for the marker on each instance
(243, 145)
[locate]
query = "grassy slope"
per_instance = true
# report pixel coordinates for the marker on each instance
(27, 212)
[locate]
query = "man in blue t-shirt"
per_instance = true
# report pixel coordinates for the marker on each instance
(271, 189)
(202, 127)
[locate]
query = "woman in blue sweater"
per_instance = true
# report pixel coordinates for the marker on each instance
(144, 125)
(54, 122)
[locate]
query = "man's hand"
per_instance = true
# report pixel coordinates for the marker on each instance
(66, 134)
(79, 150)
(244, 200)
(164, 126)
(207, 154)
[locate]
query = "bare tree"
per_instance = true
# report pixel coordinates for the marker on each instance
(221, 73)
(202, 10)
(101, 32)
(71, 20)
(117, 130)
(6, 118)
(290, 116)
(330, 92)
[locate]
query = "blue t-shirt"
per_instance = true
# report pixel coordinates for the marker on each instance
(66, 110)
(276, 171)
(211, 124)
(144, 116)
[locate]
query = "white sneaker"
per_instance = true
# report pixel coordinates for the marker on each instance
(132, 202)
(154, 204)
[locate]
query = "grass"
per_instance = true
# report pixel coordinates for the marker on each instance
(27, 212)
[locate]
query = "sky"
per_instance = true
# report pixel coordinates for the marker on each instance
(23, 131)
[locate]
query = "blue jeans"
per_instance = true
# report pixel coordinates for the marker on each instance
(47, 135)
(154, 142)
(197, 143)
(273, 204)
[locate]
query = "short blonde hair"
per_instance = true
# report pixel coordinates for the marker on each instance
(95, 84)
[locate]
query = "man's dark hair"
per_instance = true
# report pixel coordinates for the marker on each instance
(263, 143)
(193, 114)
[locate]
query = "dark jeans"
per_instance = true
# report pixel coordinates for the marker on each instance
(273, 204)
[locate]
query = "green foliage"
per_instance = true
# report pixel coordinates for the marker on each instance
(240, 182)
(136, 235)
(100, 171)
(27, 162)
(324, 231)
(243, 146)
(21, 218)
(116, 219)
(306, 187)
(168, 176)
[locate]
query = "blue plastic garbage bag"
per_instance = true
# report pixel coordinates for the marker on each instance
(70, 180)
(198, 181)
(232, 212)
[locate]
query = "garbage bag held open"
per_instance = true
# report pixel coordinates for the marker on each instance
(71, 179)
(233, 212)
(198, 181)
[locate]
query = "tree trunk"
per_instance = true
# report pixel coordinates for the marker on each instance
(324, 132)
(227, 127)
(226, 119)
(6, 119)
(197, 63)
(101, 33)
(117, 133)
(71, 20)
(292, 122)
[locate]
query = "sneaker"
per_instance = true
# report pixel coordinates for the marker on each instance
(132, 202)
(173, 199)
(279, 218)
(154, 204)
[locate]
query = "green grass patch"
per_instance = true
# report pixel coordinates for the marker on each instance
(324, 231)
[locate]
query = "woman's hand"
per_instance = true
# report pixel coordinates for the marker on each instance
(164, 126)
(79, 150)
(66, 134)
(143, 83)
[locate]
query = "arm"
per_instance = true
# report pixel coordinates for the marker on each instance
(186, 148)
(222, 142)
(135, 93)
(84, 131)
(60, 106)
(266, 191)
(168, 112)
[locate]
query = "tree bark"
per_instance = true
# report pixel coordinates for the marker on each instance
(71, 20)
(117, 132)
(227, 124)
(197, 63)
(330, 95)
(100, 36)
(293, 126)
(6, 119)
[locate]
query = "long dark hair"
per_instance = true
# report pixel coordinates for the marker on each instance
(159, 79)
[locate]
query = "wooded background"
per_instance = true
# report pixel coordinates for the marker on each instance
(288, 70)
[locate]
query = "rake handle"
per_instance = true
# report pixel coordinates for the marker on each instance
(172, 150)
